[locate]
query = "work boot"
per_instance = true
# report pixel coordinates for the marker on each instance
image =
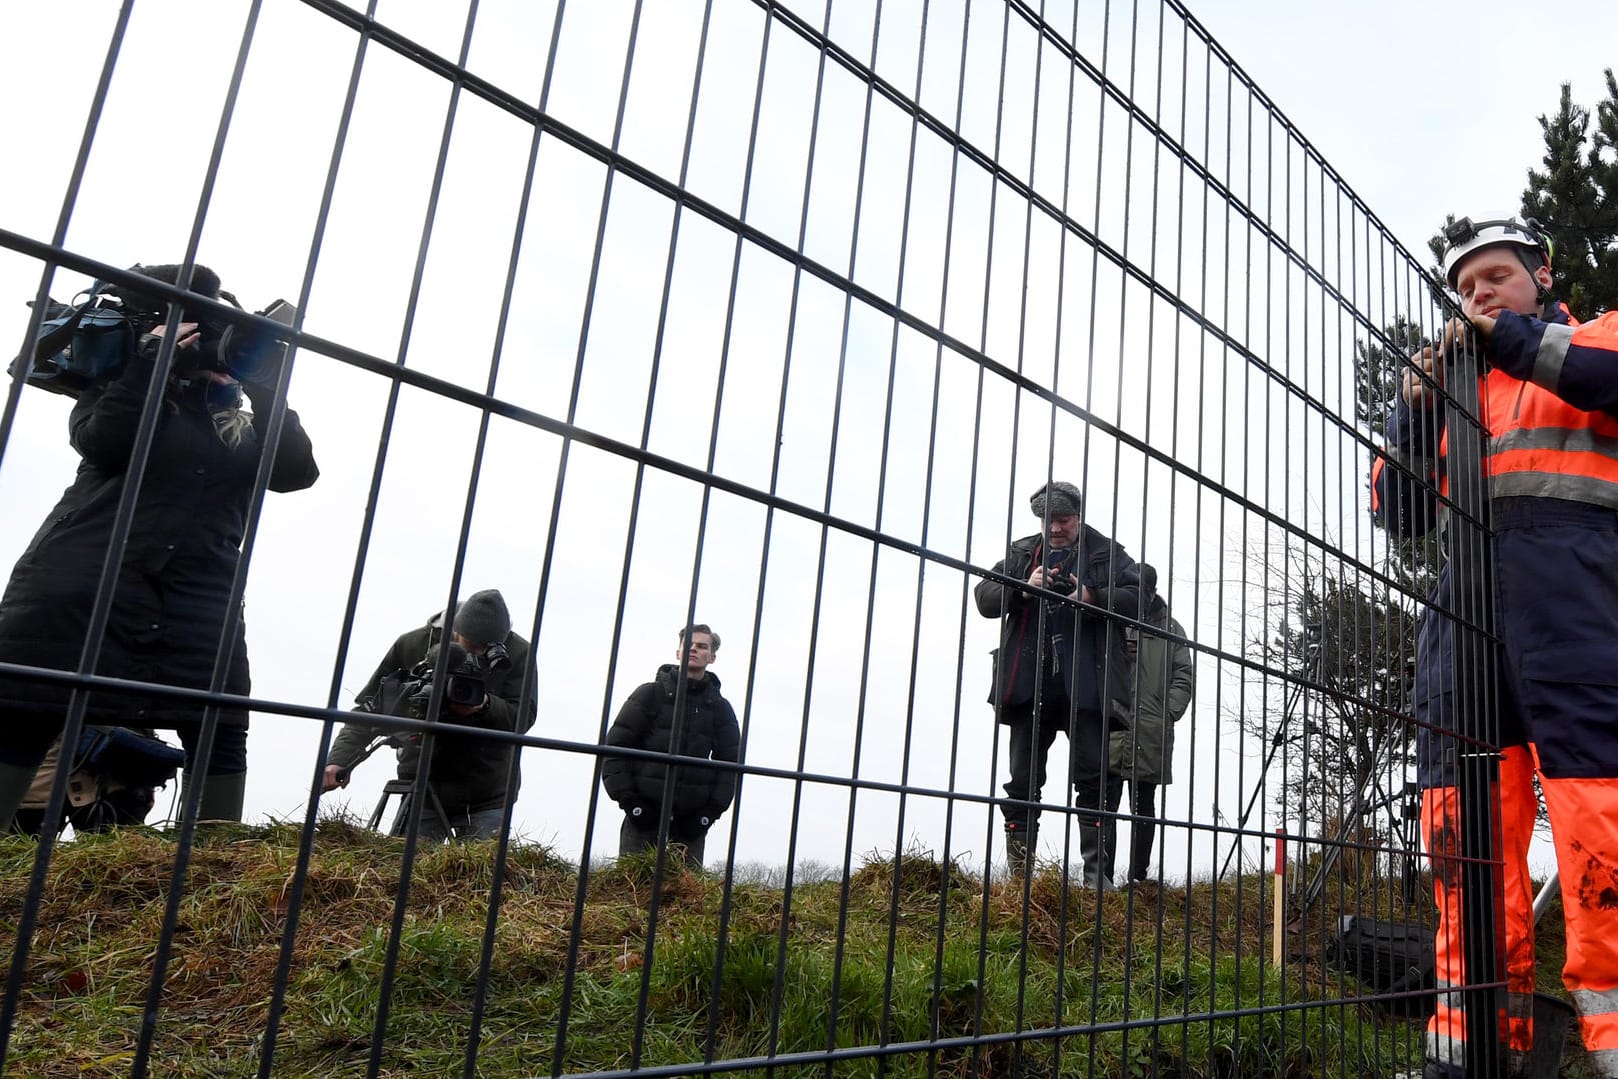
(14, 783)
(222, 796)
(1020, 846)
(1095, 876)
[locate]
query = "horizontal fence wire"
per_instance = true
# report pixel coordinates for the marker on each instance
(781, 539)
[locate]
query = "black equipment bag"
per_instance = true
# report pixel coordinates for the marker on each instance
(120, 754)
(1388, 957)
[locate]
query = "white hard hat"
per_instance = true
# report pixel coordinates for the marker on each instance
(1465, 236)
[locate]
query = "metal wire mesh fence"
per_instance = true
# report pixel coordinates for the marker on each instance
(999, 380)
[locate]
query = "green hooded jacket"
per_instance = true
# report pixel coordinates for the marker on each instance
(1167, 678)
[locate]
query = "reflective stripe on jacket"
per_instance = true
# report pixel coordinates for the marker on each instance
(1549, 402)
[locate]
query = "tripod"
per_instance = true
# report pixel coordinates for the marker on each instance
(404, 788)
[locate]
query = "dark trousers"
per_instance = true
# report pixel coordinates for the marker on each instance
(1142, 830)
(635, 839)
(1033, 731)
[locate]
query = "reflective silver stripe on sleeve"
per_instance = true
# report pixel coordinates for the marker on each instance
(1595, 1001)
(1552, 352)
(1604, 1061)
(1445, 1049)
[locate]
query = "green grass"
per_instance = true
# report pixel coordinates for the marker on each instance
(1085, 982)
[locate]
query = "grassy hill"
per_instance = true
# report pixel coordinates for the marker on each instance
(1150, 982)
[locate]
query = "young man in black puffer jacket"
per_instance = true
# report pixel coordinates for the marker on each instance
(680, 712)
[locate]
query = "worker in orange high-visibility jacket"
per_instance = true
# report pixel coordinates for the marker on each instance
(1549, 402)
(1403, 499)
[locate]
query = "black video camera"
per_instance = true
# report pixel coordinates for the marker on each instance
(86, 342)
(408, 693)
(246, 353)
(465, 680)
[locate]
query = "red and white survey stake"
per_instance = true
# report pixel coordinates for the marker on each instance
(1280, 898)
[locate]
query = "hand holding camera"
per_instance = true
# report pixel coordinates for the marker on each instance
(187, 335)
(1055, 572)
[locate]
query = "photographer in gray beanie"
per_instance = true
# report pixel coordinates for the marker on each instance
(482, 618)
(1060, 667)
(468, 772)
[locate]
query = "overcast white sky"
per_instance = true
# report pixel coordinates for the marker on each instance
(1422, 111)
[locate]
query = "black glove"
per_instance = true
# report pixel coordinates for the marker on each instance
(137, 371)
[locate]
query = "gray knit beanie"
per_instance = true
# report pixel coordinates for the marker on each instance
(1061, 498)
(482, 617)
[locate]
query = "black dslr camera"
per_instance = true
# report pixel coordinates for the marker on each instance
(1059, 571)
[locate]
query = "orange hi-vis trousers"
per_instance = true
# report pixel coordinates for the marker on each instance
(1514, 829)
(1584, 819)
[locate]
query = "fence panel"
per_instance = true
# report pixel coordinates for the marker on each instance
(999, 381)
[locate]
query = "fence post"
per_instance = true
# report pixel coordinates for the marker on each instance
(1476, 721)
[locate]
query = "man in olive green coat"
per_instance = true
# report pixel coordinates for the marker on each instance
(1143, 755)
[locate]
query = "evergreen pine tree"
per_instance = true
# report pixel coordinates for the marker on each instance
(1575, 197)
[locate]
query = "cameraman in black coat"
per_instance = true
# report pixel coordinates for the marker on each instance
(1061, 668)
(681, 712)
(468, 773)
(171, 602)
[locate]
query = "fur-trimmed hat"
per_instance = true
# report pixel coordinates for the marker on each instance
(1061, 498)
(482, 617)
